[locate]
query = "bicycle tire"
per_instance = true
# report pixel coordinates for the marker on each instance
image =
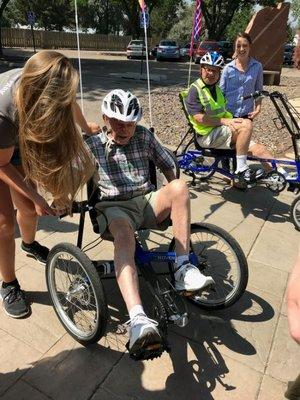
(201, 161)
(208, 253)
(83, 292)
(295, 212)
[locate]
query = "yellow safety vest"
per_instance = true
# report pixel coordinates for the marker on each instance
(213, 108)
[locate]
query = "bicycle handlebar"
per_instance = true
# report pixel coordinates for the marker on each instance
(256, 95)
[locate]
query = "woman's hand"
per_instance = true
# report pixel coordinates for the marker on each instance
(41, 206)
(253, 114)
(93, 128)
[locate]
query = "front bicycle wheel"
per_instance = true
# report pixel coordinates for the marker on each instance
(200, 162)
(295, 212)
(76, 293)
(220, 256)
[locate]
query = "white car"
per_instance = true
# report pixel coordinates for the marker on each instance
(136, 48)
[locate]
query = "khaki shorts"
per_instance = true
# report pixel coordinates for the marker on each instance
(218, 138)
(139, 212)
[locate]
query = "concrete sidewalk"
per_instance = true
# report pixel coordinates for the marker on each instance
(242, 353)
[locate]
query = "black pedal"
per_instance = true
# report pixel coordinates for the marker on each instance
(150, 352)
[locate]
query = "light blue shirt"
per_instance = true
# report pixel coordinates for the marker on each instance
(235, 84)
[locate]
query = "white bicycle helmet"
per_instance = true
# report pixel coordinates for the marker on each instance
(213, 58)
(122, 105)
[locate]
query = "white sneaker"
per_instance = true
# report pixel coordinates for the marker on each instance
(143, 332)
(188, 277)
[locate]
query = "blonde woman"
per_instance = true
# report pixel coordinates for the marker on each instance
(39, 145)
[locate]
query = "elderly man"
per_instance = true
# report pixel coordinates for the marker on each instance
(215, 126)
(128, 202)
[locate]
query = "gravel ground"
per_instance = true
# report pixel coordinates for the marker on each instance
(170, 123)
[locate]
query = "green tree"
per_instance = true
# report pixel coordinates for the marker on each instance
(295, 7)
(49, 15)
(183, 29)
(219, 14)
(3, 5)
(102, 15)
(290, 33)
(167, 14)
(239, 22)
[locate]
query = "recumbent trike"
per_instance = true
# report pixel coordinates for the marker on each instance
(203, 163)
(77, 284)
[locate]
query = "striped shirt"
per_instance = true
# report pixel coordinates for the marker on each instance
(235, 84)
(124, 169)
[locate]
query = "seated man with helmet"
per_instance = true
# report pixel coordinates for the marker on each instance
(215, 126)
(128, 202)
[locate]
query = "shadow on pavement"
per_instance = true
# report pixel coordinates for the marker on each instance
(259, 202)
(195, 359)
(52, 224)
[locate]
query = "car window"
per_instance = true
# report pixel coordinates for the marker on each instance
(137, 42)
(168, 43)
(213, 46)
(209, 46)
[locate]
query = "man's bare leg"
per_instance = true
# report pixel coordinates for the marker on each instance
(126, 272)
(143, 332)
(174, 198)
(241, 138)
(260, 151)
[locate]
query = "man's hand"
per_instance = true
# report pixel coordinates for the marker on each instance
(293, 302)
(232, 123)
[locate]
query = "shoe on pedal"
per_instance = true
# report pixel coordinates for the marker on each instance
(14, 300)
(143, 334)
(249, 175)
(189, 278)
(36, 251)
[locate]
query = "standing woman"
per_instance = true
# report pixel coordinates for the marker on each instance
(40, 145)
(242, 76)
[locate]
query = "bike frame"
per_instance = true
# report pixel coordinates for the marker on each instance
(142, 256)
(147, 256)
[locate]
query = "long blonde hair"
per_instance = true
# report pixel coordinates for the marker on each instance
(52, 150)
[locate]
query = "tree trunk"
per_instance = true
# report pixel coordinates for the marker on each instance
(2, 8)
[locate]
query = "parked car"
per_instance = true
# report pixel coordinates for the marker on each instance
(204, 47)
(288, 54)
(136, 48)
(185, 51)
(226, 49)
(168, 49)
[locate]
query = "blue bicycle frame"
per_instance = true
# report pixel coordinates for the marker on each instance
(147, 256)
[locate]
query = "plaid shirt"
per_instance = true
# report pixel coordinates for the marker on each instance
(124, 169)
